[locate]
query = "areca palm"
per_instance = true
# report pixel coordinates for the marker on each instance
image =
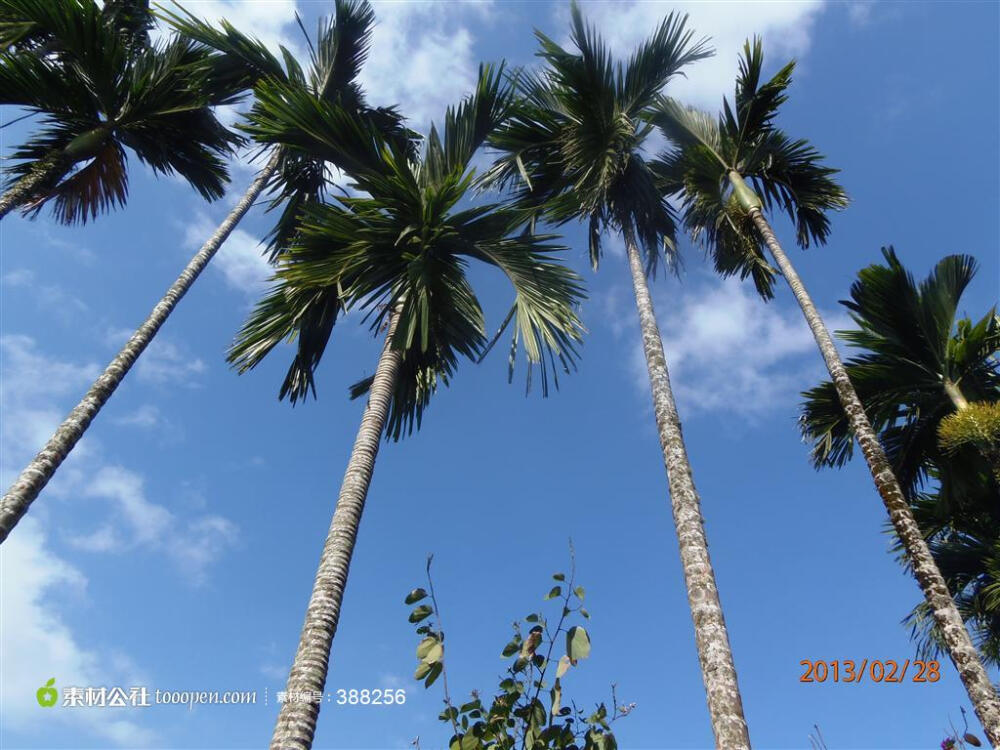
(920, 367)
(235, 62)
(574, 151)
(712, 169)
(104, 90)
(400, 254)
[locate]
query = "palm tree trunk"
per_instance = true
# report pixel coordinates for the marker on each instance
(47, 173)
(37, 474)
(960, 647)
(296, 723)
(955, 395)
(725, 705)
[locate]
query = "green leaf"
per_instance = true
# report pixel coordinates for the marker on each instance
(556, 591)
(415, 596)
(559, 577)
(585, 613)
(421, 613)
(556, 695)
(510, 649)
(434, 673)
(422, 671)
(577, 644)
(579, 592)
(531, 618)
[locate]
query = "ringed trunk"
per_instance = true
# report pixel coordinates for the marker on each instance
(54, 167)
(296, 725)
(37, 474)
(725, 706)
(46, 174)
(950, 624)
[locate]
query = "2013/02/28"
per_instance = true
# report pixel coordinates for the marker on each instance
(876, 670)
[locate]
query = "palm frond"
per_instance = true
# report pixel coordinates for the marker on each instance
(789, 176)
(290, 116)
(756, 105)
(669, 50)
(342, 47)
(469, 124)
(95, 188)
(239, 61)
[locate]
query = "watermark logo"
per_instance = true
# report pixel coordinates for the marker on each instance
(47, 695)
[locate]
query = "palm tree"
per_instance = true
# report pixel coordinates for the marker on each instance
(712, 170)
(103, 88)
(574, 151)
(294, 180)
(400, 253)
(920, 368)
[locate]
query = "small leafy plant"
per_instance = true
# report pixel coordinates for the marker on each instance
(519, 717)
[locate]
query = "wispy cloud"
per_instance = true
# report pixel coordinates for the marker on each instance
(146, 416)
(270, 21)
(35, 393)
(422, 56)
(239, 260)
(164, 362)
(728, 352)
(37, 644)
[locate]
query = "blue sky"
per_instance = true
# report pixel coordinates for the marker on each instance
(176, 548)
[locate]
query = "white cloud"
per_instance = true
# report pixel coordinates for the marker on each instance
(146, 416)
(860, 13)
(136, 522)
(422, 57)
(729, 352)
(33, 395)
(31, 390)
(36, 641)
(784, 26)
(275, 672)
(163, 362)
(19, 277)
(37, 644)
(147, 521)
(200, 543)
(29, 375)
(240, 260)
(270, 21)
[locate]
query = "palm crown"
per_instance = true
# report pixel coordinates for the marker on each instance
(914, 352)
(403, 249)
(573, 148)
(103, 88)
(787, 174)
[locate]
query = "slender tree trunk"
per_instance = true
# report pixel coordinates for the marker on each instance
(725, 705)
(36, 475)
(960, 647)
(45, 174)
(296, 723)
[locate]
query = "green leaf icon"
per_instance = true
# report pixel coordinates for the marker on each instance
(47, 695)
